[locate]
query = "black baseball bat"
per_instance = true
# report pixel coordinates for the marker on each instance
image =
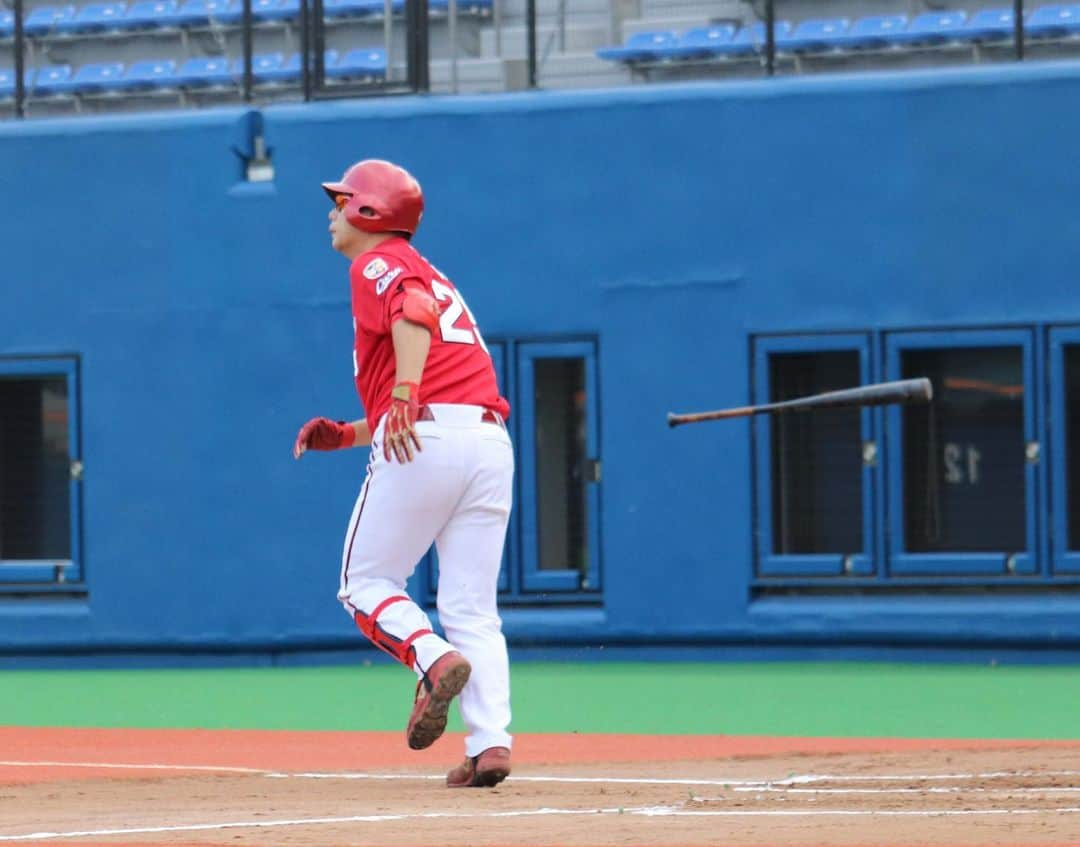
(903, 391)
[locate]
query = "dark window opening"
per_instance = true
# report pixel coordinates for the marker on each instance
(561, 464)
(816, 457)
(964, 482)
(1072, 442)
(35, 469)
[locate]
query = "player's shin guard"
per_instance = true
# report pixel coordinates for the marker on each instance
(400, 649)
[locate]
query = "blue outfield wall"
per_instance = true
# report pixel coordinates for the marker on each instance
(210, 319)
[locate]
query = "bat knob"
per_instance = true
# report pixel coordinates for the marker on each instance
(671, 419)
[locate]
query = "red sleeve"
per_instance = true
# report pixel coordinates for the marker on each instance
(378, 287)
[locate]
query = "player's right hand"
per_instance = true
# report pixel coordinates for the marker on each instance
(323, 434)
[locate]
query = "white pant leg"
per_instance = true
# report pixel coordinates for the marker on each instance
(398, 513)
(470, 553)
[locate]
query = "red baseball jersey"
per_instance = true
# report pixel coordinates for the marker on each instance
(458, 367)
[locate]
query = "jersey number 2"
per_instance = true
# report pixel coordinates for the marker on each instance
(451, 333)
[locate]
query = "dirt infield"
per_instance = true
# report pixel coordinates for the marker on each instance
(188, 787)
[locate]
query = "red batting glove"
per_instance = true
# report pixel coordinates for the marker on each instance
(323, 434)
(399, 434)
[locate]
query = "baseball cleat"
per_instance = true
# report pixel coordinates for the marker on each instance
(484, 771)
(441, 684)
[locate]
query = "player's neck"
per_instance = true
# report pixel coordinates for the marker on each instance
(371, 241)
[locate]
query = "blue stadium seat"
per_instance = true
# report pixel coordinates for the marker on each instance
(95, 17)
(51, 79)
(814, 36)
(151, 14)
(988, 25)
(7, 23)
(7, 82)
(701, 41)
(94, 77)
(442, 7)
(203, 12)
(1054, 21)
(751, 39)
(265, 67)
(43, 19)
(933, 28)
(351, 8)
(364, 63)
(874, 32)
(204, 72)
(274, 10)
(641, 47)
(148, 76)
(464, 7)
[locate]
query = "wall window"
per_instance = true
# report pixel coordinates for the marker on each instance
(1064, 452)
(817, 465)
(559, 466)
(963, 455)
(552, 551)
(964, 467)
(814, 487)
(39, 472)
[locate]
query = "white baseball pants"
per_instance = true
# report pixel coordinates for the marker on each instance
(456, 493)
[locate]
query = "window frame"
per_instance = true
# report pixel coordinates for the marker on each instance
(17, 574)
(980, 565)
(532, 579)
(1063, 560)
(769, 564)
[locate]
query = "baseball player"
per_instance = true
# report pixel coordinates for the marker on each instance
(441, 470)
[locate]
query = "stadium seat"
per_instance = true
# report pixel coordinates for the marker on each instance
(364, 63)
(7, 82)
(641, 47)
(51, 80)
(43, 19)
(203, 12)
(700, 42)
(988, 25)
(932, 28)
(442, 7)
(351, 8)
(873, 32)
(814, 36)
(273, 10)
(94, 77)
(265, 67)
(204, 72)
(95, 17)
(1055, 21)
(751, 39)
(151, 14)
(148, 76)
(7, 23)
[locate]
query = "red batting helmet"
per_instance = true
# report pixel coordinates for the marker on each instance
(382, 197)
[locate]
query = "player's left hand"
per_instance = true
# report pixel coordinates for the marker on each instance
(399, 434)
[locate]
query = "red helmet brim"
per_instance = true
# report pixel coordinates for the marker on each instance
(333, 189)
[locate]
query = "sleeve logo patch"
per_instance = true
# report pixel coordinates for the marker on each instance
(375, 268)
(385, 280)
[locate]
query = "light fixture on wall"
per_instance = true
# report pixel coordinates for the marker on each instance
(259, 168)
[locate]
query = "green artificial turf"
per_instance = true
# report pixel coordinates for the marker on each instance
(805, 699)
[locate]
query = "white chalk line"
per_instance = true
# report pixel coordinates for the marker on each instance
(132, 767)
(736, 784)
(776, 789)
(645, 811)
